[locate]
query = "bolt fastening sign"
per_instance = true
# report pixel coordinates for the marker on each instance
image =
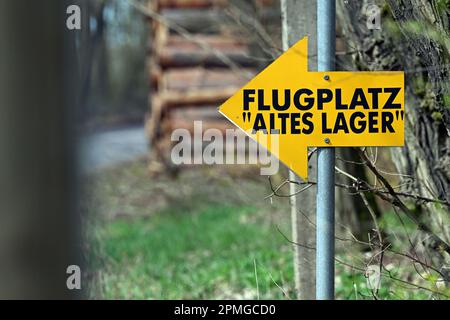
(299, 109)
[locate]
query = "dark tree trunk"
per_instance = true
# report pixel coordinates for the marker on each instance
(414, 37)
(39, 230)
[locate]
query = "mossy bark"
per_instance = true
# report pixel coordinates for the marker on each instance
(414, 37)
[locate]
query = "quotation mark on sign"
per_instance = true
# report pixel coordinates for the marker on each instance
(399, 114)
(246, 115)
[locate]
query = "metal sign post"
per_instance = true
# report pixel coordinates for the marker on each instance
(326, 47)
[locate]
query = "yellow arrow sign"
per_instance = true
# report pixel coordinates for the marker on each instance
(287, 109)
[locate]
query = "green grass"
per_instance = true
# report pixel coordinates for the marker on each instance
(210, 254)
(353, 286)
(200, 236)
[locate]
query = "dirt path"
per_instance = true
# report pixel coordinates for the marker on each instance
(111, 147)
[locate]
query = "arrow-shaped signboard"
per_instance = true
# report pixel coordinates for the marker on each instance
(301, 109)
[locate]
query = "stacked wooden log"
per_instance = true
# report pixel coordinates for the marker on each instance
(195, 64)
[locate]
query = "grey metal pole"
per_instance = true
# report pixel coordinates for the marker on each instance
(326, 39)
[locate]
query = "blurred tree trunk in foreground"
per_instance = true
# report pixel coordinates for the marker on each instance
(414, 37)
(38, 226)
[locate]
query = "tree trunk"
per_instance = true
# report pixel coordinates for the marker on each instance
(414, 37)
(299, 20)
(39, 231)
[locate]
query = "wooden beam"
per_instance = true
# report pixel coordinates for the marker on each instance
(190, 3)
(202, 79)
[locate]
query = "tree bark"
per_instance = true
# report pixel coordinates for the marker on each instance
(299, 20)
(413, 37)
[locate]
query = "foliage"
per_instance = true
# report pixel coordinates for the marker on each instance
(182, 255)
(210, 252)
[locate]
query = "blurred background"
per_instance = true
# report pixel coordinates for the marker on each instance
(87, 177)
